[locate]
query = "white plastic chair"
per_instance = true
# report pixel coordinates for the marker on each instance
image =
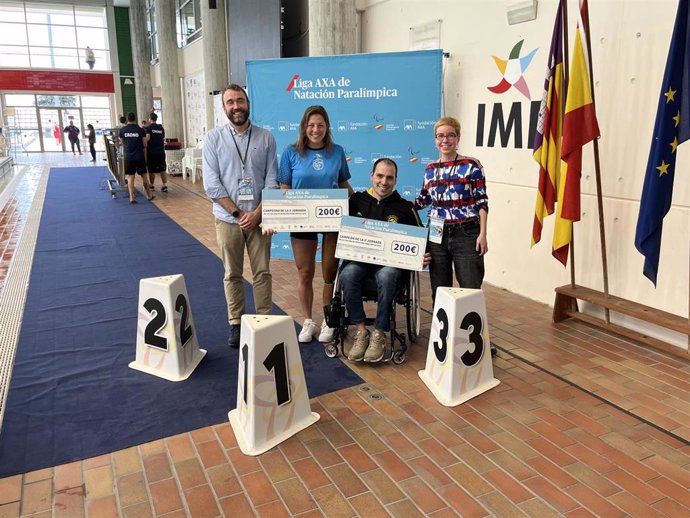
(192, 161)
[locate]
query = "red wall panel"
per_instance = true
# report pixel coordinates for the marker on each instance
(54, 81)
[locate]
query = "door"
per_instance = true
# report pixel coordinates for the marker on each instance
(51, 129)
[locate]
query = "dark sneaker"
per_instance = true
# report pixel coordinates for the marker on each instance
(234, 338)
(164, 188)
(152, 188)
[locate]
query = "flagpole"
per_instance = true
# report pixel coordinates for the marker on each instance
(566, 82)
(597, 167)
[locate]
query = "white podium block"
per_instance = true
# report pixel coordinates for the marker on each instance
(166, 338)
(272, 398)
(458, 360)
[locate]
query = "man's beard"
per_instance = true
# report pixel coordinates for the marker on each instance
(238, 118)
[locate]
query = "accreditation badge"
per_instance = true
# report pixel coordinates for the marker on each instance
(245, 191)
(436, 230)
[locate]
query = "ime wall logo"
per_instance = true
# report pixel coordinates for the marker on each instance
(513, 70)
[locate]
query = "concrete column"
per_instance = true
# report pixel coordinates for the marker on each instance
(215, 44)
(140, 57)
(171, 97)
(332, 26)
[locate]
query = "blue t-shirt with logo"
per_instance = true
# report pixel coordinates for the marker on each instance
(316, 169)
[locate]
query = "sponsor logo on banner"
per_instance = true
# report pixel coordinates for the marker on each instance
(378, 121)
(413, 158)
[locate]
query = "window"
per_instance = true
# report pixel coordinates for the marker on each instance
(188, 21)
(52, 35)
(152, 30)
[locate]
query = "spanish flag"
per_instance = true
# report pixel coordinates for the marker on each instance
(579, 127)
(547, 140)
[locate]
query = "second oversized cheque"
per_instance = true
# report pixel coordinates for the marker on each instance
(303, 210)
(381, 242)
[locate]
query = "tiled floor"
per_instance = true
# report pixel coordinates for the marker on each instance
(583, 424)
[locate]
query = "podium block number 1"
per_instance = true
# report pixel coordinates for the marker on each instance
(275, 361)
(272, 399)
(156, 308)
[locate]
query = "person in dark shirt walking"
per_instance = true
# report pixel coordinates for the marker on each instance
(134, 152)
(155, 149)
(73, 136)
(92, 141)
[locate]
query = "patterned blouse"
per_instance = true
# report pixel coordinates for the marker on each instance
(456, 189)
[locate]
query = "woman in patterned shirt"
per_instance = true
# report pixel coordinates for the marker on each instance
(455, 191)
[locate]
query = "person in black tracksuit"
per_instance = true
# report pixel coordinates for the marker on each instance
(155, 152)
(380, 202)
(134, 151)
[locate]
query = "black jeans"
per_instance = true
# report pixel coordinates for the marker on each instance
(457, 250)
(92, 149)
(73, 142)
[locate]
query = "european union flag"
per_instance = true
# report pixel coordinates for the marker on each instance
(672, 127)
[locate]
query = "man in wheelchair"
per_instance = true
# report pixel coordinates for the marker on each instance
(381, 202)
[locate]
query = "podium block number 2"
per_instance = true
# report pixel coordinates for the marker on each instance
(471, 322)
(275, 361)
(156, 308)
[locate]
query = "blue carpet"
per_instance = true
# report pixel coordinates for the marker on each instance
(72, 395)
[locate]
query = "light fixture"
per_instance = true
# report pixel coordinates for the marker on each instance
(522, 11)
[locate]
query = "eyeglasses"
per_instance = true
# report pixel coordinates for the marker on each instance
(449, 136)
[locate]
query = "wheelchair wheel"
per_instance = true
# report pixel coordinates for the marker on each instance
(398, 357)
(331, 351)
(414, 317)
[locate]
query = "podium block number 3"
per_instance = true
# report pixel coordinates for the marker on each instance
(155, 307)
(471, 322)
(275, 361)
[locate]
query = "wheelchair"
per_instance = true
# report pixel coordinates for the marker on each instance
(407, 295)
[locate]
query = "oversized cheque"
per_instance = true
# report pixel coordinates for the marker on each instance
(380, 242)
(303, 210)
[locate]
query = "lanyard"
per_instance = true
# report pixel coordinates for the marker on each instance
(243, 159)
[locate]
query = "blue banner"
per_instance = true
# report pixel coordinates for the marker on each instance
(378, 104)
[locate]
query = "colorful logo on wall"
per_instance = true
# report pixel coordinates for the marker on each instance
(513, 70)
(413, 155)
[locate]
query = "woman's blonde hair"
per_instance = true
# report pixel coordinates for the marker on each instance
(448, 121)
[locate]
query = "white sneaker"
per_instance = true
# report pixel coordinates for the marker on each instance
(326, 334)
(309, 330)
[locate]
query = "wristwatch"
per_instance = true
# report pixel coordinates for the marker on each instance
(235, 213)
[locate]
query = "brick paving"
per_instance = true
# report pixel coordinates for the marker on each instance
(584, 423)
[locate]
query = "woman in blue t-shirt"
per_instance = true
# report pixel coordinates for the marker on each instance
(314, 162)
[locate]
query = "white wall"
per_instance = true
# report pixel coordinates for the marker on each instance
(630, 41)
